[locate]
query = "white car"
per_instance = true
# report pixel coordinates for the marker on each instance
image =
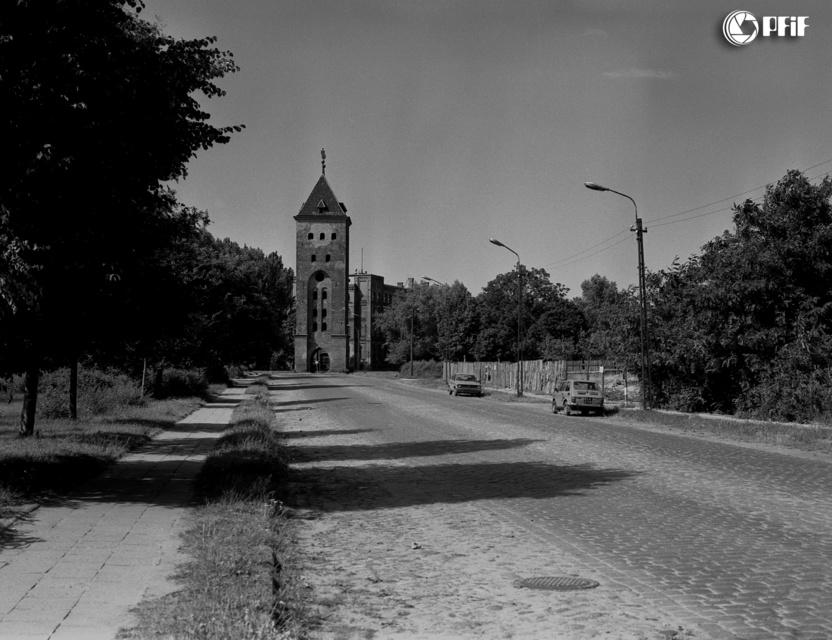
(464, 383)
(578, 395)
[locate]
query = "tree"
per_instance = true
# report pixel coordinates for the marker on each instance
(457, 322)
(746, 325)
(243, 300)
(99, 112)
(410, 319)
(442, 318)
(612, 318)
(545, 313)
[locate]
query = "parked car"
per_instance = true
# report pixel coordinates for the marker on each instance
(578, 395)
(464, 383)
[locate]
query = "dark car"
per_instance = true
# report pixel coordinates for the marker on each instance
(464, 383)
(578, 395)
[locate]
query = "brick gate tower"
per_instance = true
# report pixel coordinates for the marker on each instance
(322, 242)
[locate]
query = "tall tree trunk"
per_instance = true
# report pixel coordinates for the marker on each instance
(160, 377)
(73, 389)
(30, 399)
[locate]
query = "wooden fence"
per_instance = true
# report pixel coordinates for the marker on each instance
(541, 376)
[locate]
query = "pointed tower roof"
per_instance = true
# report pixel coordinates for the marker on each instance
(322, 203)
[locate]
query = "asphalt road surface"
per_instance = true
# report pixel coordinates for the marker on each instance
(686, 536)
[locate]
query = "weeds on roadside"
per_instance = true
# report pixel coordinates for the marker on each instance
(795, 436)
(421, 369)
(99, 392)
(260, 389)
(240, 581)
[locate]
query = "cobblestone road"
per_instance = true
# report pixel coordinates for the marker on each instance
(728, 541)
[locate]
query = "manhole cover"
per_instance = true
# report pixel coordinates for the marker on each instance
(556, 583)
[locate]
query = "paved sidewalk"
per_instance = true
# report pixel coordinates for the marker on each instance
(74, 570)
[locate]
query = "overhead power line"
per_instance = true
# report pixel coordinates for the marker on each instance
(737, 195)
(557, 263)
(572, 259)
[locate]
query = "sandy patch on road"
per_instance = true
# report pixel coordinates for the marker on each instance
(432, 569)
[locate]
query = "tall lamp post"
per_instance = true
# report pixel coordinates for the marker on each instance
(645, 381)
(519, 314)
(357, 322)
(445, 350)
(412, 316)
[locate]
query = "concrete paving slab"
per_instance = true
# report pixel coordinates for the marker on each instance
(74, 569)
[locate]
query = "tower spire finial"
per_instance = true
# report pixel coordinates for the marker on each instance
(323, 162)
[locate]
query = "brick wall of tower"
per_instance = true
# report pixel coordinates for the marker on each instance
(321, 291)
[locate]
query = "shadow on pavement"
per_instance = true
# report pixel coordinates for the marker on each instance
(191, 427)
(159, 472)
(320, 433)
(404, 449)
(10, 537)
(144, 422)
(385, 487)
(300, 387)
(212, 402)
(294, 402)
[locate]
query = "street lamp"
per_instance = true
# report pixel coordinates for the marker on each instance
(357, 341)
(519, 313)
(645, 382)
(445, 350)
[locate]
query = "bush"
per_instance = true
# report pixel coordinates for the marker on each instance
(99, 392)
(216, 373)
(280, 361)
(181, 383)
(789, 394)
(422, 369)
(10, 386)
(235, 371)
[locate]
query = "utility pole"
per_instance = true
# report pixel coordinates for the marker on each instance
(519, 315)
(646, 400)
(412, 315)
(642, 290)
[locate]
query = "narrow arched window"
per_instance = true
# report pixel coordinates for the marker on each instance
(323, 326)
(323, 236)
(315, 294)
(313, 257)
(310, 236)
(323, 313)
(314, 326)
(327, 257)
(314, 313)
(323, 295)
(334, 235)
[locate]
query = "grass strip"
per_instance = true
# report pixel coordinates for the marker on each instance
(239, 581)
(795, 436)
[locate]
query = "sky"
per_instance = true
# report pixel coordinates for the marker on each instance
(449, 122)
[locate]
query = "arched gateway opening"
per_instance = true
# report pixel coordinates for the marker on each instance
(318, 361)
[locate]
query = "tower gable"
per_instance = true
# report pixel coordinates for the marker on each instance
(322, 202)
